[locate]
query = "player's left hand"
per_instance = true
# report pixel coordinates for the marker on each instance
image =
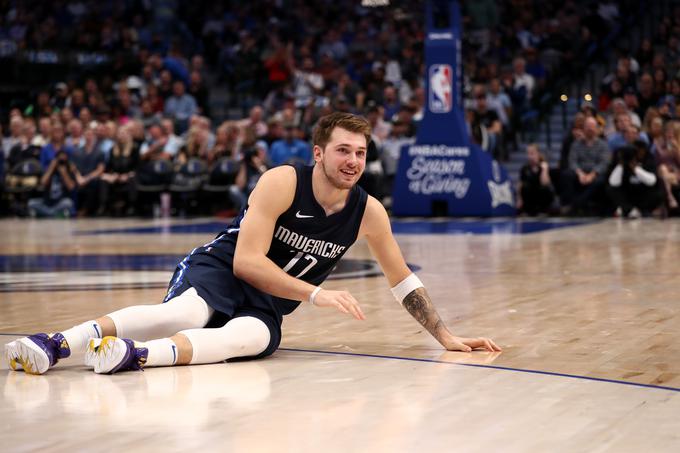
(468, 344)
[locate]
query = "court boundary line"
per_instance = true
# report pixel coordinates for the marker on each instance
(493, 367)
(472, 365)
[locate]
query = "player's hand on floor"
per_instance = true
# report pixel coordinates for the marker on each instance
(341, 300)
(468, 344)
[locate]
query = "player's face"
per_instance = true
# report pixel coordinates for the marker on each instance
(344, 158)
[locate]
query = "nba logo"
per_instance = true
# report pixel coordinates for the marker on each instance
(441, 88)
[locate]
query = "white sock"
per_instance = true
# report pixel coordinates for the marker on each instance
(78, 336)
(162, 352)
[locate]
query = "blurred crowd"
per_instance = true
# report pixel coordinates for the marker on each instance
(144, 137)
(622, 155)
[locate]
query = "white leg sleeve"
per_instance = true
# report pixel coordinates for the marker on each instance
(145, 322)
(241, 337)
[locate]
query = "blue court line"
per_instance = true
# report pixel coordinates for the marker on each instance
(473, 365)
(493, 367)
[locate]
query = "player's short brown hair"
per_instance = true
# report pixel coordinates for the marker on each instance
(348, 121)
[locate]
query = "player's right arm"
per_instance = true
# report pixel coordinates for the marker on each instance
(272, 196)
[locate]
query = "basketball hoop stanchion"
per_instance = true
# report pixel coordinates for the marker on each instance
(444, 173)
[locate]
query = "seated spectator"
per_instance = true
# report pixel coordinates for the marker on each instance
(252, 128)
(16, 125)
(227, 143)
(58, 183)
(55, 145)
(147, 115)
(306, 82)
(89, 162)
(290, 149)
(535, 191)
(117, 188)
(492, 124)
(668, 159)
(252, 166)
(174, 143)
(632, 184)
(198, 90)
(153, 147)
(576, 134)
(25, 149)
(180, 106)
(585, 177)
(196, 147)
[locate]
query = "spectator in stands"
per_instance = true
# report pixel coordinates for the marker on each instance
(147, 114)
(55, 145)
(390, 153)
(58, 184)
(75, 137)
(522, 81)
(630, 98)
(290, 149)
(655, 134)
(390, 102)
(668, 158)
(647, 97)
(632, 184)
(616, 139)
(252, 166)
(227, 143)
(199, 91)
(535, 191)
(488, 119)
(585, 176)
(16, 124)
(105, 132)
(90, 165)
(306, 83)
(44, 131)
(174, 142)
(165, 85)
(25, 149)
(117, 182)
(196, 147)
(253, 128)
(275, 131)
(60, 98)
(156, 100)
(180, 106)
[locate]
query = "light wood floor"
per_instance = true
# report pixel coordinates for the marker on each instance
(588, 317)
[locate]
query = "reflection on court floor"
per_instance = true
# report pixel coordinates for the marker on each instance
(587, 314)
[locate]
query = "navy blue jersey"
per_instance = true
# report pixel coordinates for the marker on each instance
(307, 243)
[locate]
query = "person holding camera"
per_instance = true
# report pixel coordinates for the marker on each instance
(633, 185)
(253, 165)
(58, 183)
(535, 191)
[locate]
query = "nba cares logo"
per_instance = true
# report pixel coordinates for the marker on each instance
(441, 87)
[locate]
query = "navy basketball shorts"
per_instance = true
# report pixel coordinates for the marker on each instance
(230, 297)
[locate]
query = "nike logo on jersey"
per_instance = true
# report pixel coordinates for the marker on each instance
(302, 216)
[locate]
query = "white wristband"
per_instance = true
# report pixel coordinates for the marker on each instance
(313, 295)
(406, 286)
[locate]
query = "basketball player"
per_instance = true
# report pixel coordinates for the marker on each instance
(227, 298)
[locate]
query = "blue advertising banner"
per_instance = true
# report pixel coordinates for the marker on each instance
(443, 167)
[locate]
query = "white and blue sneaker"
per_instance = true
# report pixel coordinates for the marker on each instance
(112, 354)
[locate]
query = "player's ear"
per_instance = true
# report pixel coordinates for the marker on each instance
(318, 152)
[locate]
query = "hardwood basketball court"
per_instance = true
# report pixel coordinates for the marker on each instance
(586, 313)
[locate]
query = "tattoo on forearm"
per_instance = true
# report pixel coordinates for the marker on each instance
(418, 304)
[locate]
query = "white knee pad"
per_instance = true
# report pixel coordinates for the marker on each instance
(241, 337)
(147, 322)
